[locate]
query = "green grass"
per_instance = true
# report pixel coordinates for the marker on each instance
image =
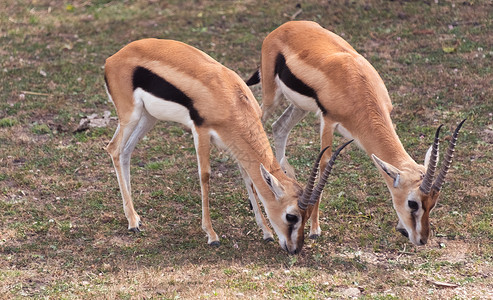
(63, 234)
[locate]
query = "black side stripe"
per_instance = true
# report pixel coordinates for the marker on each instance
(293, 82)
(159, 87)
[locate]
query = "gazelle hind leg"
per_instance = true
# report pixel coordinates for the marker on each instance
(281, 129)
(202, 141)
(268, 107)
(120, 149)
(326, 135)
(259, 217)
(146, 123)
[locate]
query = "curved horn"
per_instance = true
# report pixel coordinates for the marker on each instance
(303, 201)
(447, 160)
(325, 175)
(425, 186)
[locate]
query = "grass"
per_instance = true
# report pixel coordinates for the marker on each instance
(62, 229)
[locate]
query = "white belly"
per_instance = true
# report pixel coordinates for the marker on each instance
(163, 109)
(301, 101)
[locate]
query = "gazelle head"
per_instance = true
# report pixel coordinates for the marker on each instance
(297, 204)
(414, 194)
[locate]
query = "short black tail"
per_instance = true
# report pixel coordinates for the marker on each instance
(254, 79)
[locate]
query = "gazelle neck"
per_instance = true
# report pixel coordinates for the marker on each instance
(392, 152)
(380, 139)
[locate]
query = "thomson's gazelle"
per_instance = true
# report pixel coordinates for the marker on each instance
(151, 79)
(316, 70)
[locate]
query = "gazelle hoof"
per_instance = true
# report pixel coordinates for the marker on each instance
(215, 243)
(134, 229)
(314, 236)
(269, 239)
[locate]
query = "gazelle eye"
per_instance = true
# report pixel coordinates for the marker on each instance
(291, 218)
(413, 205)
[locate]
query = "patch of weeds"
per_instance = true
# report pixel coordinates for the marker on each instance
(124, 295)
(368, 239)
(187, 244)
(81, 137)
(343, 203)
(96, 202)
(5, 274)
(176, 131)
(350, 263)
(380, 297)
(158, 194)
(467, 45)
(292, 261)
(431, 254)
(99, 132)
(305, 288)
(411, 59)
(59, 287)
(65, 226)
(41, 226)
(243, 284)
(482, 226)
(8, 122)
(157, 165)
(40, 129)
(11, 110)
(229, 271)
(17, 288)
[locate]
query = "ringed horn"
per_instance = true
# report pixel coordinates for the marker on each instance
(310, 194)
(426, 185)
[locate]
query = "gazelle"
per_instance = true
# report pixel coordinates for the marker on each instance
(318, 71)
(151, 79)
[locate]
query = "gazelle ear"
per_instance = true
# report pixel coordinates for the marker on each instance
(389, 169)
(274, 184)
(427, 157)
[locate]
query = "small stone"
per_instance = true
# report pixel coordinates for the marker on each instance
(351, 292)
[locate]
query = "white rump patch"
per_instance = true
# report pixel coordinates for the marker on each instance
(163, 109)
(301, 101)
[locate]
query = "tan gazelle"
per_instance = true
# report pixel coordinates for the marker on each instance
(317, 71)
(151, 79)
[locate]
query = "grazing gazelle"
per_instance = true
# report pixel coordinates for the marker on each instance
(318, 71)
(151, 79)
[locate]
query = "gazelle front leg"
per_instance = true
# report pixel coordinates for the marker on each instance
(281, 129)
(202, 141)
(326, 136)
(259, 217)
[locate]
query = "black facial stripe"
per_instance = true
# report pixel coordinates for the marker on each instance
(159, 87)
(293, 82)
(413, 219)
(290, 230)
